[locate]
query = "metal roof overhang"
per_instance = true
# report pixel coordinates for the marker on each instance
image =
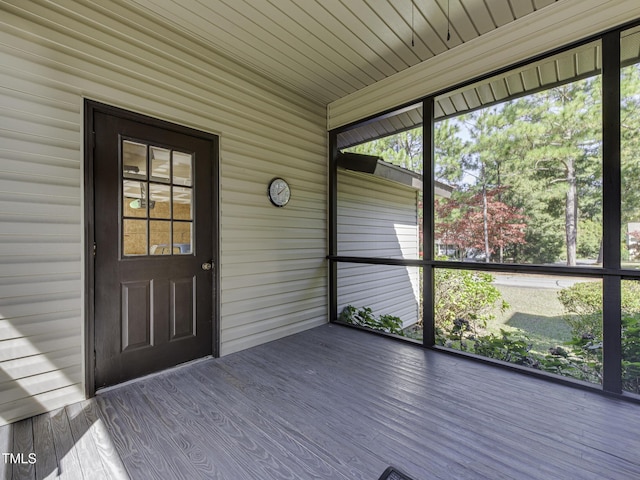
(569, 66)
(373, 165)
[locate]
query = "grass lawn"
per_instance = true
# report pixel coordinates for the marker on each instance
(535, 313)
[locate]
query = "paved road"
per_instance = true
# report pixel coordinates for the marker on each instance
(535, 281)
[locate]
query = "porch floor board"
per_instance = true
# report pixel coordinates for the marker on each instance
(335, 403)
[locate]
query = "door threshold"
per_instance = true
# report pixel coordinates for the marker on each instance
(154, 374)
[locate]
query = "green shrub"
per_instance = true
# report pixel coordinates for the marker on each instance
(463, 296)
(391, 324)
(631, 352)
(364, 317)
(583, 307)
(507, 348)
(582, 303)
(581, 359)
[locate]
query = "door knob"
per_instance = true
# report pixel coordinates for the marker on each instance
(206, 266)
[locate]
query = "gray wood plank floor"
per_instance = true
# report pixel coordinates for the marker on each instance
(69, 443)
(335, 403)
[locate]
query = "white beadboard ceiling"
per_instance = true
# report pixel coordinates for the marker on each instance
(568, 66)
(581, 62)
(327, 49)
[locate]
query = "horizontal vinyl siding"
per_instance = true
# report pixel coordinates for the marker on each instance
(378, 218)
(40, 249)
(387, 290)
(273, 268)
(272, 260)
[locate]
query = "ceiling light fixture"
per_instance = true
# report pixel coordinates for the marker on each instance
(141, 203)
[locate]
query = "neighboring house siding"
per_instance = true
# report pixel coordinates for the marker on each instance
(378, 218)
(273, 266)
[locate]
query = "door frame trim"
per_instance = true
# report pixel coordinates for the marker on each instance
(90, 108)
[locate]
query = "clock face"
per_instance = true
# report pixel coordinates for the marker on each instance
(279, 192)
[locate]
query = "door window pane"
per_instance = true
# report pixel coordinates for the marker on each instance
(160, 164)
(159, 205)
(133, 204)
(182, 168)
(163, 202)
(160, 238)
(134, 237)
(182, 238)
(134, 160)
(182, 203)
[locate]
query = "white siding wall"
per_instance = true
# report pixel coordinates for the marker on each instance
(272, 260)
(378, 218)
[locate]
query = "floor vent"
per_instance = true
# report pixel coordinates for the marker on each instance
(392, 473)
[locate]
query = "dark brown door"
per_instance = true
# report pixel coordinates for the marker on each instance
(154, 246)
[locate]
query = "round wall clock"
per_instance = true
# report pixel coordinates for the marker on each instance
(279, 192)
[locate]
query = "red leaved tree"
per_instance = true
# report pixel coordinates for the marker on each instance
(479, 221)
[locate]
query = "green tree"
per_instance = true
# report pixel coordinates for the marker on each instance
(449, 147)
(403, 149)
(545, 148)
(568, 145)
(630, 145)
